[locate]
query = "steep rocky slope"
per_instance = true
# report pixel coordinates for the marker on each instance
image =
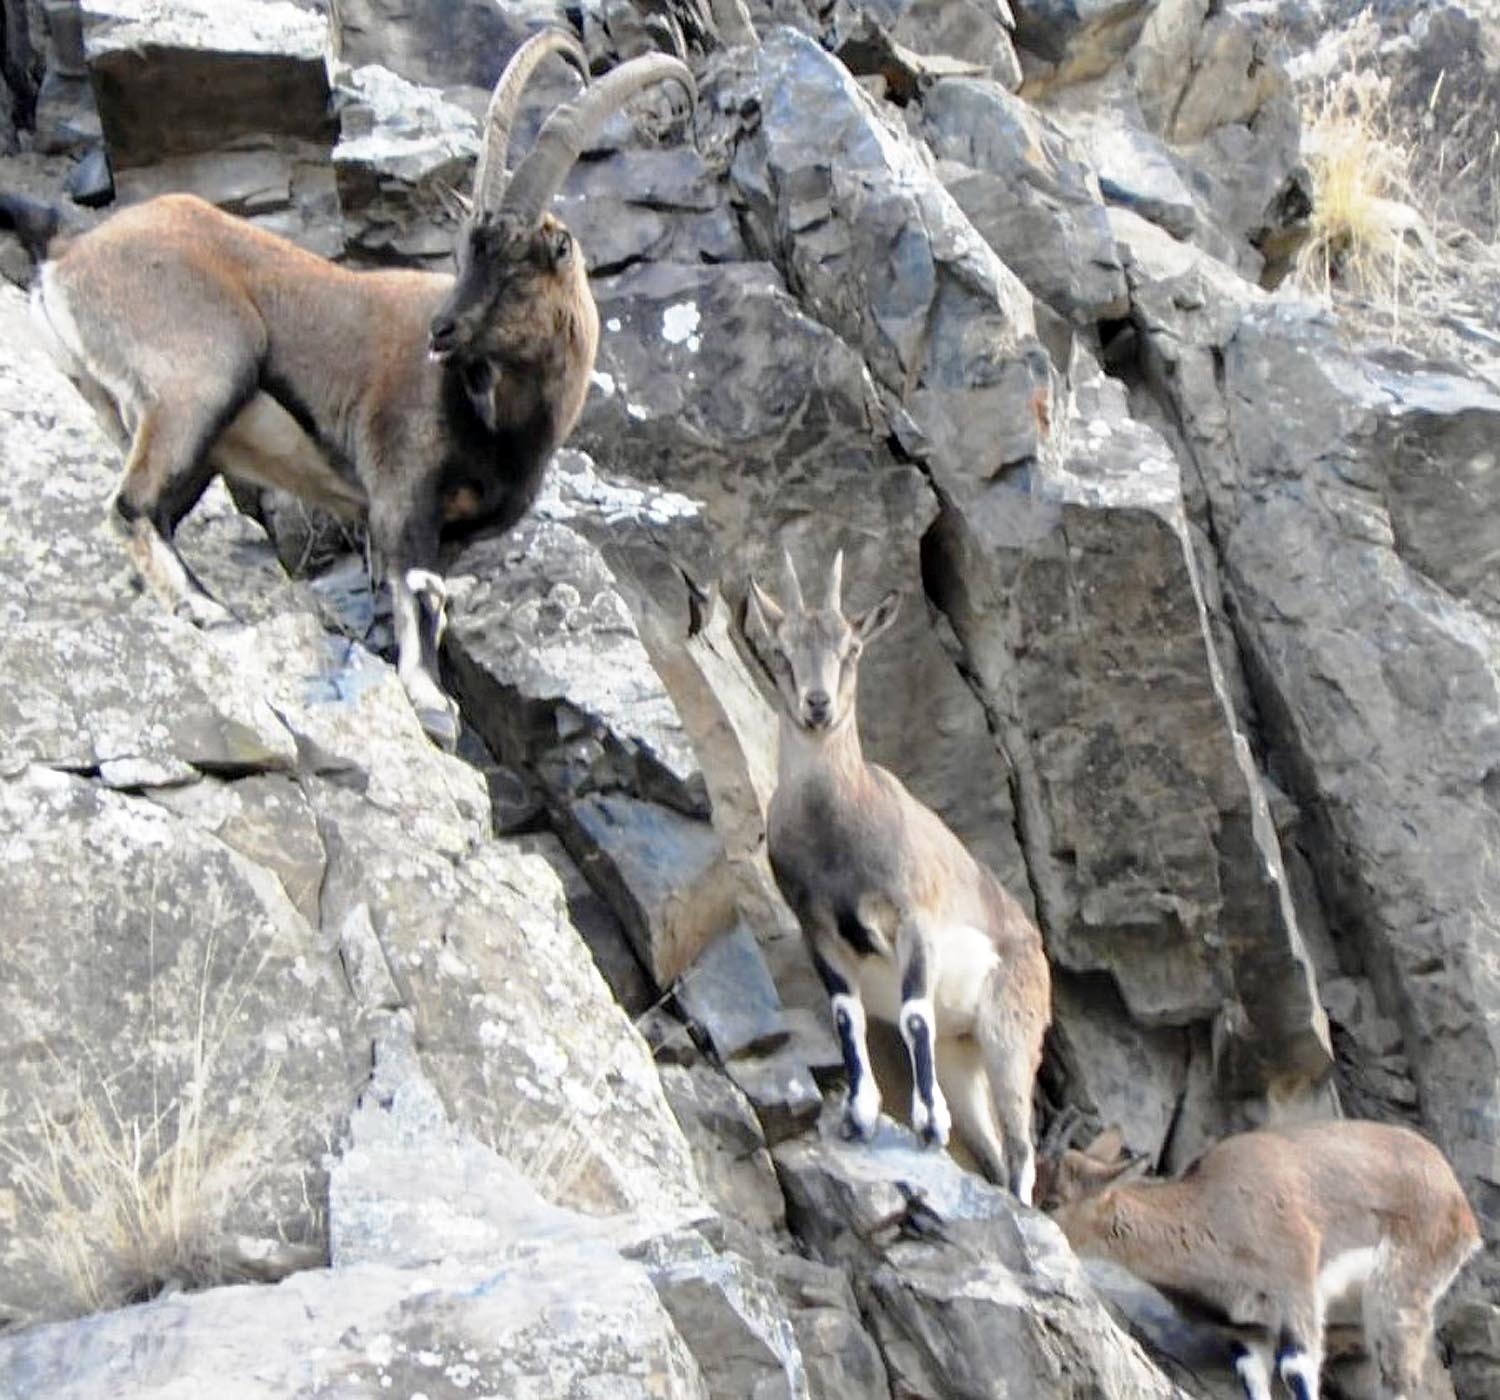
(1199, 650)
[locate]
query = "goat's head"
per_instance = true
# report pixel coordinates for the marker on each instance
(519, 269)
(1074, 1185)
(811, 654)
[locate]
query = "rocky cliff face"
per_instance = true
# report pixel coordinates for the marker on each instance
(338, 1065)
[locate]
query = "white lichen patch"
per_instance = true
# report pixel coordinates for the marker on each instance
(604, 381)
(679, 324)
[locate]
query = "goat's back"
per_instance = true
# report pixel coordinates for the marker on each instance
(1361, 1183)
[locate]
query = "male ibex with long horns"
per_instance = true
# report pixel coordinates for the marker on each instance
(899, 915)
(426, 404)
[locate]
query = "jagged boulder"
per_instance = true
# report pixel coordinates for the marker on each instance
(967, 1293)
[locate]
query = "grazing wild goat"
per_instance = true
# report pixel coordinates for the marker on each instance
(1268, 1228)
(423, 403)
(898, 914)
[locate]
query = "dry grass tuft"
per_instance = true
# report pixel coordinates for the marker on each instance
(129, 1204)
(1367, 236)
(132, 1209)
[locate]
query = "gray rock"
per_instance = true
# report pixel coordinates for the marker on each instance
(1306, 455)
(150, 65)
(782, 1090)
(1148, 836)
(842, 1360)
(729, 1148)
(732, 1319)
(662, 872)
(974, 32)
(178, 1047)
(463, 42)
(882, 254)
(1024, 186)
(400, 148)
(729, 994)
(1069, 41)
(447, 1330)
(967, 1293)
(537, 618)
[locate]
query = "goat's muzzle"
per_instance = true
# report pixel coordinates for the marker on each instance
(442, 338)
(817, 710)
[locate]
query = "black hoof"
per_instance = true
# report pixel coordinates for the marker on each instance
(850, 1130)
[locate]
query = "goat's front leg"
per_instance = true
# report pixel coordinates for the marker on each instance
(419, 601)
(914, 955)
(836, 968)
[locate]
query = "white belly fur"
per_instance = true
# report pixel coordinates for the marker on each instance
(964, 957)
(1346, 1273)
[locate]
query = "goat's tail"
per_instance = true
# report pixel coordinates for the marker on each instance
(40, 227)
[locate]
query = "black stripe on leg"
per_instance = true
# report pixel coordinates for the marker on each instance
(1290, 1349)
(914, 974)
(920, 1036)
(833, 981)
(853, 1064)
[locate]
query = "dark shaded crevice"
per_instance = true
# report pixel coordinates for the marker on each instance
(942, 587)
(1260, 711)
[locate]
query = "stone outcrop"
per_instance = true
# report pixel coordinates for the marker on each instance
(509, 1073)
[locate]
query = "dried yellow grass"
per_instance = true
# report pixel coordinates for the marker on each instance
(1366, 235)
(130, 1205)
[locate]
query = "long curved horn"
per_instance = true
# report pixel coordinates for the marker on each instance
(833, 598)
(569, 129)
(791, 585)
(489, 173)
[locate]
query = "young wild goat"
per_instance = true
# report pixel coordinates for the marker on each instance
(426, 404)
(1268, 1228)
(898, 914)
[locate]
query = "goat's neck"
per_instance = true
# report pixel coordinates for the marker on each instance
(831, 755)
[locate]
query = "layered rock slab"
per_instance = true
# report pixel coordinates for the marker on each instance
(967, 1293)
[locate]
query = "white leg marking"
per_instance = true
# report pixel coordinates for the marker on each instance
(934, 1124)
(862, 1107)
(1299, 1366)
(1250, 1367)
(434, 592)
(436, 711)
(1026, 1181)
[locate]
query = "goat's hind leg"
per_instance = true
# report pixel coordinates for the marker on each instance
(966, 1086)
(166, 472)
(1011, 1037)
(1398, 1327)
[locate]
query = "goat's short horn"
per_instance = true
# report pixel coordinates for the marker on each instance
(569, 129)
(791, 585)
(489, 174)
(833, 597)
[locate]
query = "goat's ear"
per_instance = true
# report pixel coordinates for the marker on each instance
(751, 645)
(1107, 1147)
(868, 626)
(766, 611)
(557, 246)
(1090, 1176)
